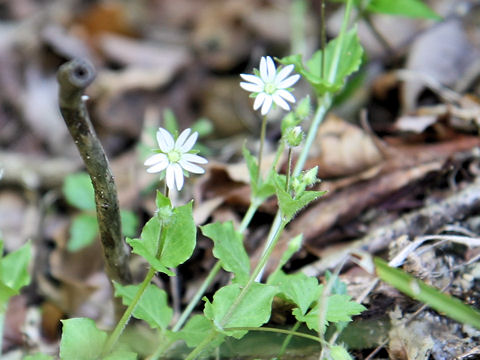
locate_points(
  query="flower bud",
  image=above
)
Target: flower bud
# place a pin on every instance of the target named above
(164, 213)
(310, 177)
(304, 108)
(294, 136)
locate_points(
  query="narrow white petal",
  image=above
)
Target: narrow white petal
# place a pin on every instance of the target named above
(252, 78)
(157, 158)
(177, 170)
(165, 140)
(280, 102)
(282, 74)
(263, 69)
(158, 167)
(271, 69)
(170, 177)
(288, 81)
(188, 145)
(267, 104)
(259, 101)
(181, 139)
(195, 169)
(286, 95)
(251, 87)
(194, 158)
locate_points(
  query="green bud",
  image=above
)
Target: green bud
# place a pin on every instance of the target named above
(297, 186)
(304, 108)
(289, 121)
(294, 136)
(310, 176)
(164, 213)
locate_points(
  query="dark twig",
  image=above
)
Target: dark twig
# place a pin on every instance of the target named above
(73, 78)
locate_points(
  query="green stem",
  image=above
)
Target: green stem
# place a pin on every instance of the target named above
(290, 333)
(262, 142)
(285, 343)
(201, 346)
(2, 321)
(323, 36)
(112, 339)
(289, 170)
(297, 21)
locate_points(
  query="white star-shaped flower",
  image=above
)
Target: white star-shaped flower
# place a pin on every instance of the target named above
(174, 157)
(270, 86)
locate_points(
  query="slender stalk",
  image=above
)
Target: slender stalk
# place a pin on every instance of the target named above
(289, 170)
(290, 333)
(2, 322)
(297, 28)
(285, 343)
(201, 346)
(112, 339)
(260, 153)
(323, 36)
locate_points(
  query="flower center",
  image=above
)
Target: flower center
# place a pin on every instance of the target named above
(270, 88)
(174, 156)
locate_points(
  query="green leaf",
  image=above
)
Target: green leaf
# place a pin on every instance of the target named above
(203, 126)
(174, 244)
(162, 201)
(229, 249)
(350, 60)
(253, 310)
(152, 307)
(129, 223)
(180, 237)
(290, 206)
(81, 340)
(302, 290)
(196, 330)
(78, 191)
(38, 356)
(121, 355)
(339, 308)
(5, 294)
(14, 268)
(339, 353)
(83, 231)
(409, 8)
(260, 189)
(170, 121)
(417, 289)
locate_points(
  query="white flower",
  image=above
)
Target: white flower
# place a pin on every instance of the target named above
(174, 157)
(270, 86)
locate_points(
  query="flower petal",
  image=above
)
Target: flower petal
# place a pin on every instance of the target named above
(252, 78)
(177, 170)
(182, 138)
(165, 140)
(263, 69)
(267, 104)
(158, 167)
(259, 100)
(271, 69)
(280, 102)
(288, 81)
(155, 159)
(282, 74)
(170, 177)
(188, 145)
(286, 95)
(251, 87)
(194, 158)
(195, 169)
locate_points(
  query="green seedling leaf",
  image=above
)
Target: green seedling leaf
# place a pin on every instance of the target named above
(5, 294)
(300, 289)
(170, 121)
(168, 243)
(339, 353)
(196, 330)
(253, 310)
(38, 356)
(261, 189)
(408, 8)
(417, 289)
(203, 126)
(229, 249)
(78, 191)
(290, 206)
(14, 268)
(83, 231)
(129, 223)
(351, 59)
(339, 308)
(152, 307)
(147, 245)
(81, 340)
